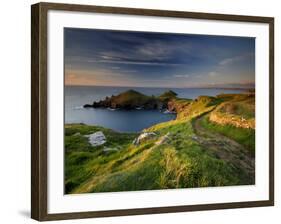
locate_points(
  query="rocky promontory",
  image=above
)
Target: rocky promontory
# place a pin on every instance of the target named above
(132, 99)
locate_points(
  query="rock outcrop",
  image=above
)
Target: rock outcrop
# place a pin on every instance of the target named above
(132, 99)
(97, 138)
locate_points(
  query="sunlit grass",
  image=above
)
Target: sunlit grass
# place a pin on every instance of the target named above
(179, 162)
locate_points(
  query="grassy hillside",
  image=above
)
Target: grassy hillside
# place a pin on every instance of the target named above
(168, 95)
(191, 151)
(245, 136)
(131, 97)
(238, 111)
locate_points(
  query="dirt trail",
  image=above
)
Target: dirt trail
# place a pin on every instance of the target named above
(226, 149)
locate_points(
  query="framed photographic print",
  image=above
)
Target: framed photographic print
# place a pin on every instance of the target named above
(138, 111)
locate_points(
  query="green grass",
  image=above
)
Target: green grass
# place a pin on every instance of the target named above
(187, 109)
(243, 136)
(83, 160)
(238, 104)
(242, 109)
(179, 162)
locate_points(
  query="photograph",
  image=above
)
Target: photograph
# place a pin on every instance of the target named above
(154, 111)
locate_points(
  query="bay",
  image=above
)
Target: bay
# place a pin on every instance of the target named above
(121, 120)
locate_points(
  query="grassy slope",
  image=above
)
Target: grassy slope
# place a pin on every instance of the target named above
(244, 136)
(179, 162)
(237, 106)
(83, 160)
(237, 110)
(131, 97)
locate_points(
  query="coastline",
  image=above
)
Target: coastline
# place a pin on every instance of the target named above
(189, 136)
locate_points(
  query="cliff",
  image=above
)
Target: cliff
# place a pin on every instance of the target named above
(132, 99)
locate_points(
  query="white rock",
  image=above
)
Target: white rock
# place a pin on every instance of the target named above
(96, 138)
(143, 136)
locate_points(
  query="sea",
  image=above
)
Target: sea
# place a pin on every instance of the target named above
(123, 120)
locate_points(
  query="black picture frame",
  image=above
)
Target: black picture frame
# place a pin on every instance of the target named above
(39, 106)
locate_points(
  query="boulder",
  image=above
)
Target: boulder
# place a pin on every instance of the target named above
(97, 138)
(143, 137)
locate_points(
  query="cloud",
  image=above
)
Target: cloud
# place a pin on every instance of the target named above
(118, 60)
(181, 76)
(129, 71)
(145, 52)
(106, 57)
(115, 67)
(154, 50)
(228, 61)
(213, 74)
(161, 50)
(101, 77)
(128, 62)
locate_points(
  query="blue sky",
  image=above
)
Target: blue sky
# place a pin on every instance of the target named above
(145, 59)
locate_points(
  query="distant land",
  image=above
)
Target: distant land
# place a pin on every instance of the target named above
(132, 99)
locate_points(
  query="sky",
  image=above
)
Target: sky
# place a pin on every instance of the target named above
(148, 59)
